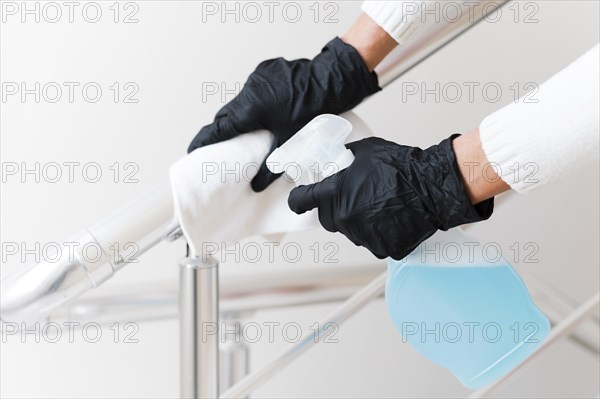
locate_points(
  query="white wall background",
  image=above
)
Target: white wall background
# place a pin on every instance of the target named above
(169, 54)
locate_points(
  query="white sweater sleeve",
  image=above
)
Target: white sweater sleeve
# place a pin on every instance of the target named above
(532, 144)
(400, 19)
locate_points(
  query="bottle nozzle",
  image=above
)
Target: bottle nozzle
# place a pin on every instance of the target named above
(317, 151)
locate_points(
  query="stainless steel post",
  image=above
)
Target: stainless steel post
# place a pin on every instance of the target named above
(199, 327)
(234, 352)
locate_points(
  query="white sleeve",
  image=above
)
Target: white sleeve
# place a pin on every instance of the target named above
(400, 19)
(532, 144)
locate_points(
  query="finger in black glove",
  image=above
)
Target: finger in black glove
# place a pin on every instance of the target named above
(282, 96)
(392, 197)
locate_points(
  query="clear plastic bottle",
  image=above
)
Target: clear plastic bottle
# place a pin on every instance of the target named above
(463, 306)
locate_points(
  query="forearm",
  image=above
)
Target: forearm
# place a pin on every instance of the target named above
(370, 40)
(479, 176)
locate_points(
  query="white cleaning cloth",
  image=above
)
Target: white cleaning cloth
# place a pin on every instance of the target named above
(213, 199)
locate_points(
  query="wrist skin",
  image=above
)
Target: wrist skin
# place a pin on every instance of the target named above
(481, 181)
(479, 177)
(370, 41)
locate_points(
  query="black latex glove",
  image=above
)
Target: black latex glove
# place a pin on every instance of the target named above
(282, 96)
(392, 197)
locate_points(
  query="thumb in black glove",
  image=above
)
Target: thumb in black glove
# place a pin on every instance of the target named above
(392, 197)
(282, 96)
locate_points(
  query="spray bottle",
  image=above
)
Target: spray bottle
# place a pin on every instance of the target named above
(454, 300)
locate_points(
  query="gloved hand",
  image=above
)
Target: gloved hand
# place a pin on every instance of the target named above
(392, 197)
(282, 96)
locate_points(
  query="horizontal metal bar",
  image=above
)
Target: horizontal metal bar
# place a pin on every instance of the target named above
(163, 306)
(241, 292)
(248, 291)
